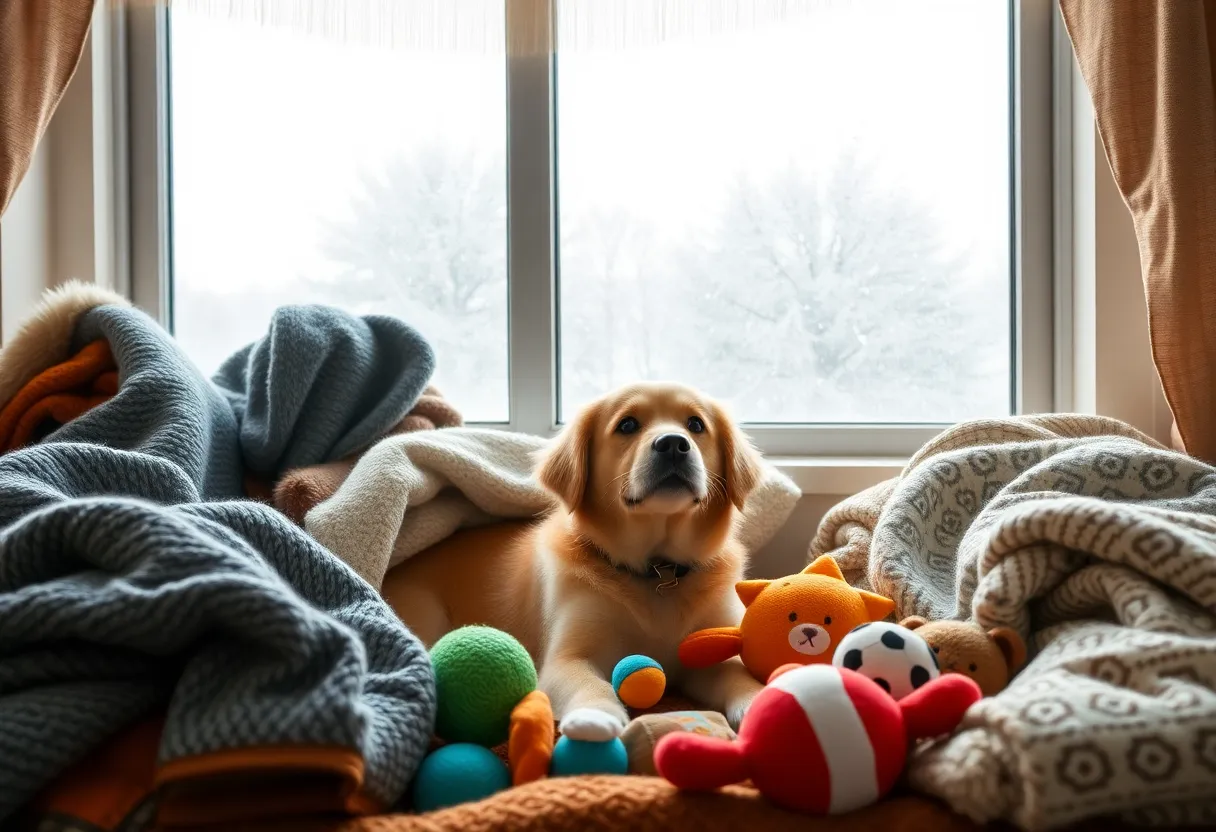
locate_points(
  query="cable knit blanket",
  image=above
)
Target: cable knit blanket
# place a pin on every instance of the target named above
(133, 580)
(411, 491)
(1099, 546)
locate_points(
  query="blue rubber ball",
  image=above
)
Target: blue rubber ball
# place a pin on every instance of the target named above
(458, 773)
(571, 757)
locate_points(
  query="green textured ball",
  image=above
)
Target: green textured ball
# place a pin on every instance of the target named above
(480, 675)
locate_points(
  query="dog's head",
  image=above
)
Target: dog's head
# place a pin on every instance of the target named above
(654, 449)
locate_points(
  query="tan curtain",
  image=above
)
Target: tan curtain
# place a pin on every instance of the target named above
(40, 45)
(1151, 68)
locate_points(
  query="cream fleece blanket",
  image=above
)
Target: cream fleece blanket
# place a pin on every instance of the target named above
(1099, 546)
(411, 491)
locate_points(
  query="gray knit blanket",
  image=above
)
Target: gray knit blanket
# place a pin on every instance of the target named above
(1099, 546)
(134, 579)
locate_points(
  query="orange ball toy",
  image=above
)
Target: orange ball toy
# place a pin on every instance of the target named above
(639, 682)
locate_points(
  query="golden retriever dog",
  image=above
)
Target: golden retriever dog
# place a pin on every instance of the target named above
(638, 553)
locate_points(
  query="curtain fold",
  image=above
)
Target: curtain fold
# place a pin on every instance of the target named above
(40, 46)
(1150, 66)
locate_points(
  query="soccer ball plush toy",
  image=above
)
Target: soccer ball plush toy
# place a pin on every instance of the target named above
(819, 739)
(895, 658)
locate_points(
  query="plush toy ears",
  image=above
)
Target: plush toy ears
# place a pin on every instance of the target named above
(878, 607)
(709, 647)
(825, 565)
(748, 591)
(1011, 645)
(913, 621)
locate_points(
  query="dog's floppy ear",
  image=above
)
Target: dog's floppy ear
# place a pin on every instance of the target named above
(741, 464)
(562, 466)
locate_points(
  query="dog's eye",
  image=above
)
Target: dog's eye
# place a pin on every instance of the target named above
(827, 620)
(628, 425)
(695, 424)
(793, 616)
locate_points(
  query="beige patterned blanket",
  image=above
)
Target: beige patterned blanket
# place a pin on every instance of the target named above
(1099, 546)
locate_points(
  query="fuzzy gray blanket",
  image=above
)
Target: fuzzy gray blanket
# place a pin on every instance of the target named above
(133, 579)
(1099, 546)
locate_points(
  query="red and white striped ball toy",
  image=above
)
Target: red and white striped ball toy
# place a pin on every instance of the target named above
(819, 738)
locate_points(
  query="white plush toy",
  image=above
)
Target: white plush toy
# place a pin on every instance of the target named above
(896, 658)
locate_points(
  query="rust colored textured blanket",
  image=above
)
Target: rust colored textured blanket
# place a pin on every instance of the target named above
(111, 791)
(57, 395)
(649, 804)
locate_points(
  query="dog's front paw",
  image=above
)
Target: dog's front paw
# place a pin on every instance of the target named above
(738, 708)
(590, 725)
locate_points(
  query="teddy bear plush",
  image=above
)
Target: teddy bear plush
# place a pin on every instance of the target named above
(990, 658)
(798, 619)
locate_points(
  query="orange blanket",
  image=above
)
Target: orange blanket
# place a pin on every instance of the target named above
(649, 804)
(115, 787)
(57, 395)
(112, 790)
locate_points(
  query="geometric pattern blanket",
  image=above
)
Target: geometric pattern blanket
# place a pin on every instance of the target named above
(1099, 546)
(134, 580)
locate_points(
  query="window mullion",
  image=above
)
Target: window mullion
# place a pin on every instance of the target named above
(530, 201)
(148, 148)
(1034, 190)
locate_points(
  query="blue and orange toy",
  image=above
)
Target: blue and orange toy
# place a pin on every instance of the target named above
(639, 682)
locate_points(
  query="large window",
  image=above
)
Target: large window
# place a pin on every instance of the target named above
(816, 211)
(307, 169)
(809, 217)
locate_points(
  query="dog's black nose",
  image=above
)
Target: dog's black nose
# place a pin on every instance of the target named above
(672, 444)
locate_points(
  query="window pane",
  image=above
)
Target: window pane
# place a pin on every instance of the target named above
(313, 169)
(807, 216)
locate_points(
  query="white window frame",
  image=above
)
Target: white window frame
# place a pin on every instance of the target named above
(822, 458)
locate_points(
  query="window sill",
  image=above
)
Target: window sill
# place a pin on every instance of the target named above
(838, 476)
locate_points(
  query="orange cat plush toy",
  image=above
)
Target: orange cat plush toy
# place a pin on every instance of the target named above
(798, 619)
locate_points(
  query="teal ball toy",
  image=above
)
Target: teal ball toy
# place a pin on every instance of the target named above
(639, 681)
(571, 757)
(480, 675)
(458, 773)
